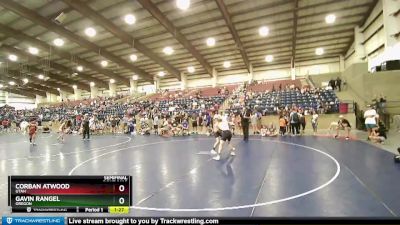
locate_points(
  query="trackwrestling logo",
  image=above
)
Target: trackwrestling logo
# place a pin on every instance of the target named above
(32, 220)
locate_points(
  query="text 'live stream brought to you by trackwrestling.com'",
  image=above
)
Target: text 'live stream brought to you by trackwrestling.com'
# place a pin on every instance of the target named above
(139, 221)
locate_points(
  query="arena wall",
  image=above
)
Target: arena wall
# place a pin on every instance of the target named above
(17, 101)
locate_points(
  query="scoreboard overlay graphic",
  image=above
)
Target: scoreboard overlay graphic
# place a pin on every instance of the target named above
(89, 194)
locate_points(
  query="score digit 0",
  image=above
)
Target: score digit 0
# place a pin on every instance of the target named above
(121, 188)
(121, 200)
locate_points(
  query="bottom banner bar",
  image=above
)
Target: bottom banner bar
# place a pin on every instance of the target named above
(138, 221)
(213, 221)
(18, 220)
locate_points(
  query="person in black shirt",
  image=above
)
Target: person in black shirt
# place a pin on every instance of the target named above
(245, 120)
(338, 83)
(332, 83)
(343, 124)
(85, 127)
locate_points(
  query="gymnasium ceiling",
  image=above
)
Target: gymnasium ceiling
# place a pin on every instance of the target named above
(296, 29)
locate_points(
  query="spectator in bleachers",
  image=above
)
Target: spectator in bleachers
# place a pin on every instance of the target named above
(382, 105)
(338, 83)
(332, 84)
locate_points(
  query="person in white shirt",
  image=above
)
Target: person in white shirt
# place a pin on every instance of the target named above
(155, 124)
(314, 122)
(226, 136)
(217, 132)
(370, 117)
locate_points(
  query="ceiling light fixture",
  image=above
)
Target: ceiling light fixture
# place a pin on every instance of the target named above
(25, 80)
(319, 51)
(183, 4)
(12, 83)
(331, 18)
(90, 32)
(269, 58)
(161, 74)
(92, 84)
(74, 86)
(79, 68)
(33, 50)
(58, 42)
(130, 19)
(210, 41)
(104, 63)
(191, 69)
(13, 58)
(135, 77)
(58, 89)
(133, 57)
(227, 64)
(168, 50)
(263, 31)
(40, 76)
(1, 85)
(112, 81)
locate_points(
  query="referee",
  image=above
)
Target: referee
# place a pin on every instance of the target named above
(245, 120)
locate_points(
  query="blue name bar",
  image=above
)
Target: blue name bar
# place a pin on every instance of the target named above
(18, 220)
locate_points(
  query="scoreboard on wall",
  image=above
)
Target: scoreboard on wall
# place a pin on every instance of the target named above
(86, 194)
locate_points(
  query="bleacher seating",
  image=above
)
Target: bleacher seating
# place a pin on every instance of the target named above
(270, 85)
(259, 97)
(272, 96)
(270, 102)
(192, 105)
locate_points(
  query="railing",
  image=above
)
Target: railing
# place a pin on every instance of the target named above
(308, 77)
(388, 110)
(133, 96)
(393, 106)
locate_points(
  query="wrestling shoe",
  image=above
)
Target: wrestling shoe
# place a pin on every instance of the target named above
(217, 157)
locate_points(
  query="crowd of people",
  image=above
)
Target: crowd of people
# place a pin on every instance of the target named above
(273, 102)
(174, 114)
(170, 116)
